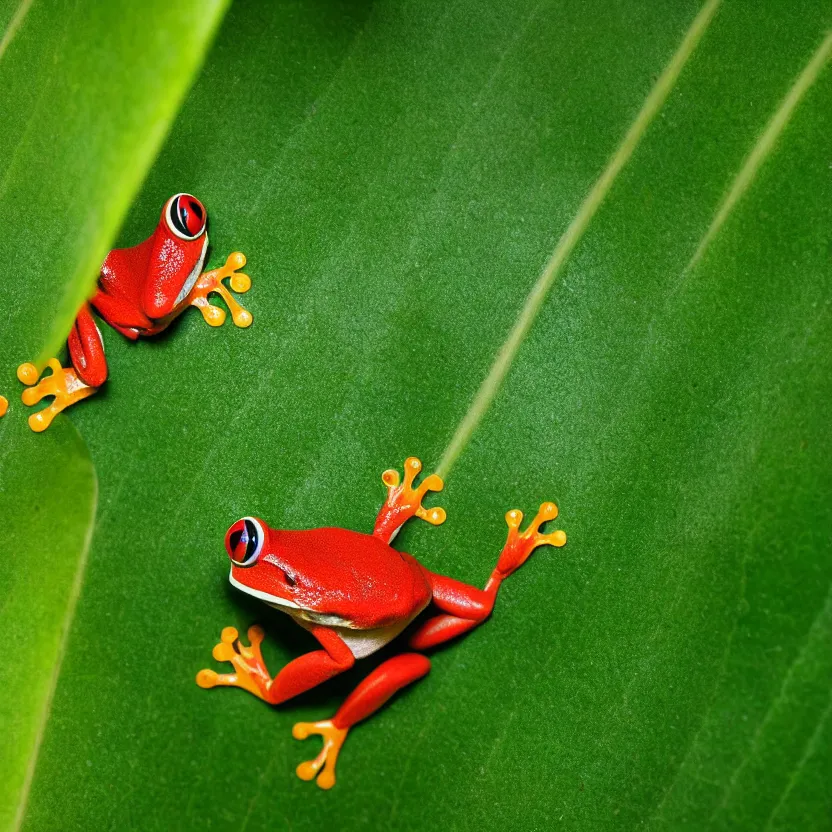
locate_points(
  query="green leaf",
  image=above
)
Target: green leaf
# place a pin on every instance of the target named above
(399, 176)
(88, 92)
(47, 502)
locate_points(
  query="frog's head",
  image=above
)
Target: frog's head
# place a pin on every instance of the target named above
(177, 253)
(258, 567)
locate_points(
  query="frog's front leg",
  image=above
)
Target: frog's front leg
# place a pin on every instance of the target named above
(212, 282)
(387, 679)
(465, 607)
(67, 384)
(298, 676)
(404, 501)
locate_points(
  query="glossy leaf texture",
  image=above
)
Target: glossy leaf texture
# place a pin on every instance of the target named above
(87, 92)
(398, 175)
(47, 506)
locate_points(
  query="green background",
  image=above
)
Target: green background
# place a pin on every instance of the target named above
(397, 174)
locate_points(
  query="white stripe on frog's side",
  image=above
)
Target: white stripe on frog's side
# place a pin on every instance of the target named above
(195, 272)
(288, 606)
(263, 596)
(362, 643)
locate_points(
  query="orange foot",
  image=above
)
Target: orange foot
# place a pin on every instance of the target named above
(519, 545)
(212, 281)
(251, 674)
(404, 501)
(325, 761)
(63, 384)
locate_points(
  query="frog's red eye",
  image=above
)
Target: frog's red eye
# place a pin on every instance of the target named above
(185, 216)
(244, 541)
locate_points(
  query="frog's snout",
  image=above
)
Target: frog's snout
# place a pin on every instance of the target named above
(244, 541)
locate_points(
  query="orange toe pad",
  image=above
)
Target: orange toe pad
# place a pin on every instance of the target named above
(323, 766)
(62, 383)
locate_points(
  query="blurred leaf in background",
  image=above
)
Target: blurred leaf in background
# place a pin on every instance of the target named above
(399, 175)
(47, 506)
(88, 92)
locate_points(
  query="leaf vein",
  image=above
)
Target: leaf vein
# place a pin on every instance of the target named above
(14, 25)
(764, 145)
(811, 747)
(573, 234)
(823, 613)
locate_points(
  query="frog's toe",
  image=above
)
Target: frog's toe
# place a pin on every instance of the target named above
(207, 678)
(519, 545)
(212, 281)
(323, 766)
(404, 499)
(226, 650)
(247, 660)
(63, 384)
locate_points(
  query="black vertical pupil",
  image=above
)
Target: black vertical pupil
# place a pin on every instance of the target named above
(179, 216)
(234, 540)
(251, 546)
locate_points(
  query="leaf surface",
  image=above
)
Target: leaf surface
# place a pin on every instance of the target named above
(88, 92)
(398, 176)
(47, 503)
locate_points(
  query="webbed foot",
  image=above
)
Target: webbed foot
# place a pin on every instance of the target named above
(519, 545)
(251, 672)
(323, 766)
(212, 281)
(63, 383)
(404, 501)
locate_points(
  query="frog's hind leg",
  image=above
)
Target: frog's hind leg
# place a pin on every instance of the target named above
(463, 606)
(386, 680)
(86, 349)
(405, 501)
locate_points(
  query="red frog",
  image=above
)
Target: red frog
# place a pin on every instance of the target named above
(140, 291)
(355, 593)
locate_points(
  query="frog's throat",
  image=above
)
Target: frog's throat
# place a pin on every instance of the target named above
(192, 277)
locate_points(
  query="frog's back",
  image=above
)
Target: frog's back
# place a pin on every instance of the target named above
(352, 577)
